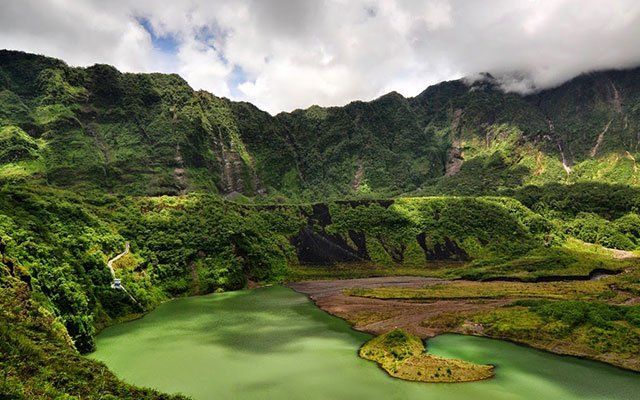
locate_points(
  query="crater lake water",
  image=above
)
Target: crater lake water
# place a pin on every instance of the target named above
(273, 343)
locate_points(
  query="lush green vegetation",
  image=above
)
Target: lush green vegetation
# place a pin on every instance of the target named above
(601, 330)
(38, 362)
(413, 230)
(152, 134)
(55, 243)
(182, 245)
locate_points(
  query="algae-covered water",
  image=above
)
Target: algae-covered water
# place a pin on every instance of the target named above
(273, 343)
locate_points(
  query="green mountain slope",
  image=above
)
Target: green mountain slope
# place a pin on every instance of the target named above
(519, 187)
(152, 134)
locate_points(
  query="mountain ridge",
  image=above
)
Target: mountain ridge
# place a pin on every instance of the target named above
(153, 134)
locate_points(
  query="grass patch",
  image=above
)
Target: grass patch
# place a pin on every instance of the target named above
(598, 330)
(583, 290)
(590, 327)
(572, 258)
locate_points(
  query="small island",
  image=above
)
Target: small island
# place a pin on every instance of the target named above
(404, 356)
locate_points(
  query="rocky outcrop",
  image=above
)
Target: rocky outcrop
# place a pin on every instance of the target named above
(455, 160)
(448, 250)
(315, 244)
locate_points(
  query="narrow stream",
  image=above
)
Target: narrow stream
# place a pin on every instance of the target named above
(273, 343)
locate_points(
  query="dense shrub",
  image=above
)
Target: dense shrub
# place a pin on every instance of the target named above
(16, 145)
(412, 228)
(577, 313)
(595, 229)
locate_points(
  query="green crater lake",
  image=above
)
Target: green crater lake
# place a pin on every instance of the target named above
(273, 343)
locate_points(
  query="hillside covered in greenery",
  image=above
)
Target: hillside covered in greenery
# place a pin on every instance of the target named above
(150, 134)
(461, 181)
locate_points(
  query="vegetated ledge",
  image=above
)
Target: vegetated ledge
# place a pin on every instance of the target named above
(596, 273)
(403, 356)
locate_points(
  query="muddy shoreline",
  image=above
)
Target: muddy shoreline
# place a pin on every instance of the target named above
(376, 316)
(379, 316)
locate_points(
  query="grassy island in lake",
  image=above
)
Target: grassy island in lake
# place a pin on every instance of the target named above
(403, 356)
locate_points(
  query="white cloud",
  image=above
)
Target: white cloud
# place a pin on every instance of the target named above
(301, 52)
(203, 67)
(80, 33)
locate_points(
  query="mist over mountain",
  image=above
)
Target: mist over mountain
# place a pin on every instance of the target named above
(282, 55)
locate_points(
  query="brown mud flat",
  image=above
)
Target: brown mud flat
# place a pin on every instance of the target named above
(378, 316)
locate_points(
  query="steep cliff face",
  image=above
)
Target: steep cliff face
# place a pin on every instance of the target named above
(133, 133)
(594, 113)
(152, 134)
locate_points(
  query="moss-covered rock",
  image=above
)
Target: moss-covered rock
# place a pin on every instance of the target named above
(16, 145)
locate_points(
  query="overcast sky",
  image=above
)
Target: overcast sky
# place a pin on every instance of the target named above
(287, 54)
